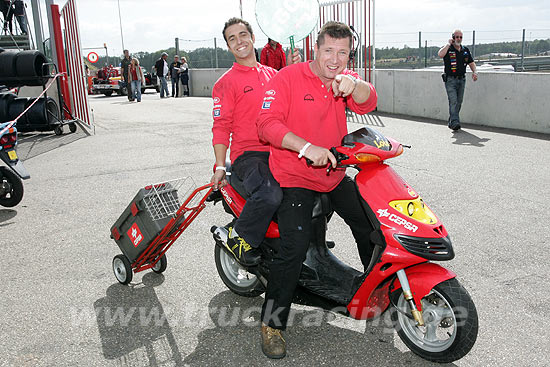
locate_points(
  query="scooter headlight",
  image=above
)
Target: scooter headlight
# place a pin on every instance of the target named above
(415, 209)
(410, 209)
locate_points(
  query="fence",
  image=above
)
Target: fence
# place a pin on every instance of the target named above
(419, 49)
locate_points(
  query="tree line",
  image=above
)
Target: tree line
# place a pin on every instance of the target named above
(205, 57)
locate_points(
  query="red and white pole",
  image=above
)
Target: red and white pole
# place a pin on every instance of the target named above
(61, 63)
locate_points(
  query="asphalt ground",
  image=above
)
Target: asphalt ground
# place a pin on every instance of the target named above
(62, 306)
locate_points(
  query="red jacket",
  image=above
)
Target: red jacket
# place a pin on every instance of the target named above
(297, 101)
(274, 58)
(237, 99)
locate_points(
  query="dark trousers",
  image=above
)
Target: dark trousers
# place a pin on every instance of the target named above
(455, 94)
(175, 86)
(129, 92)
(185, 83)
(7, 12)
(294, 218)
(264, 196)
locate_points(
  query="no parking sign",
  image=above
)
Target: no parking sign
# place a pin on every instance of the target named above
(92, 57)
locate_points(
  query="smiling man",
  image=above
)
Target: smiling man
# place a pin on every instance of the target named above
(302, 116)
(237, 97)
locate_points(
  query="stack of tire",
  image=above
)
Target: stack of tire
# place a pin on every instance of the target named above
(19, 68)
(40, 117)
(26, 68)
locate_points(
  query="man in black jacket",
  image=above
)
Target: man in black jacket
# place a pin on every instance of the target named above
(125, 68)
(456, 57)
(161, 66)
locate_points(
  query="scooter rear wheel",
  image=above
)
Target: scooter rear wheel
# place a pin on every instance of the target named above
(12, 188)
(234, 276)
(451, 323)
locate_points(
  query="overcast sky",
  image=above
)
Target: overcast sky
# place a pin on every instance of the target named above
(152, 25)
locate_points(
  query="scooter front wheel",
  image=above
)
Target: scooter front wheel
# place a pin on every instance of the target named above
(450, 323)
(11, 188)
(234, 276)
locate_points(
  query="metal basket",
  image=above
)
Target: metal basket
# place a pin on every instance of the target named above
(162, 200)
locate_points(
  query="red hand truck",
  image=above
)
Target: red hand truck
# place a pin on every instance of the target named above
(152, 223)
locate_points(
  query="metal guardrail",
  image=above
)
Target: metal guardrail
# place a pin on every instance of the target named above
(15, 42)
(538, 63)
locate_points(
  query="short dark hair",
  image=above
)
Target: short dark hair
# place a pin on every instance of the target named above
(234, 21)
(336, 30)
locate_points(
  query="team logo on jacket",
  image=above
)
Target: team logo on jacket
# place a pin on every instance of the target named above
(266, 105)
(216, 112)
(216, 100)
(270, 92)
(308, 97)
(247, 89)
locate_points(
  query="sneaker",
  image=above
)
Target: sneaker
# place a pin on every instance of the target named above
(273, 344)
(243, 252)
(455, 127)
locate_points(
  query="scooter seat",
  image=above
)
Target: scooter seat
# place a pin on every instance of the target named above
(321, 205)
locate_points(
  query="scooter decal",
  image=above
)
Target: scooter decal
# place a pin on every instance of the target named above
(135, 234)
(382, 213)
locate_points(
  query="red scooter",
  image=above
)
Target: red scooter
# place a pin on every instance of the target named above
(431, 312)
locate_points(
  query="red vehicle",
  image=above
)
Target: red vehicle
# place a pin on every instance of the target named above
(432, 313)
(109, 80)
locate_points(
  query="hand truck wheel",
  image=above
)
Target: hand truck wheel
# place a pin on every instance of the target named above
(72, 127)
(58, 130)
(122, 269)
(161, 265)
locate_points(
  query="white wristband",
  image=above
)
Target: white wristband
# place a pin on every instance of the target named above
(220, 167)
(303, 150)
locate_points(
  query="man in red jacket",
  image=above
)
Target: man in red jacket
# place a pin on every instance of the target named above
(237, 97)
(273, 55)
(304, 114)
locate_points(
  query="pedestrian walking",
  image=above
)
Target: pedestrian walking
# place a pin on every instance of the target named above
(184, 75)
(175, 76)
(456, 57)
(136, 78)
(161, 66)
(124, 67)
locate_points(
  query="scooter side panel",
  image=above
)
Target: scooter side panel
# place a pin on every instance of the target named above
(379, 185)
(236, 203)
(371, 299)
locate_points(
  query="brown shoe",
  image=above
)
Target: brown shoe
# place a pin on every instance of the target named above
(273, 344)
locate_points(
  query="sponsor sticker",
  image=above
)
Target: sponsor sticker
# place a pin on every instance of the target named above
(226, 196)
(383, 213)
(217, 112)
(266, 105)
(216, 100)
(135, 234)
(270, 92)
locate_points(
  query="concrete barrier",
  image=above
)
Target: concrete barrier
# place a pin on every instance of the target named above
(201, 81)
(499, 99)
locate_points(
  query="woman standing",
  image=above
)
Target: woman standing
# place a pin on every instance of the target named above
(185, 76)
(136, 78)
